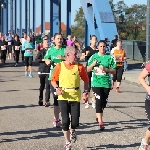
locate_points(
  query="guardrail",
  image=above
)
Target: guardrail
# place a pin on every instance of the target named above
(135, 50)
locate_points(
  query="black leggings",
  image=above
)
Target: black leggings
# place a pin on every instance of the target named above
(22, 55)
(44, 81)
(119, 72)
(72, 108)
(89, 76)
(28, 60)
(101, 97)
(3, 55)
(17, 52)
(55, 97)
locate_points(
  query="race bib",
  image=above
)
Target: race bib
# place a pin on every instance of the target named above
(98, 71)
(9, 43)
(17, 47)
(3, 48)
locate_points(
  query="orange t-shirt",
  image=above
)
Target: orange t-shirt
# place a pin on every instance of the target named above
(119, 54)
(81, 69)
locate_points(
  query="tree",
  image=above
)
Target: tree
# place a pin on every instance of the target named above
(78, 28)
(130, 21)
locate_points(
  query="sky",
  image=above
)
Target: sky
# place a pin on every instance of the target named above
(75, 6)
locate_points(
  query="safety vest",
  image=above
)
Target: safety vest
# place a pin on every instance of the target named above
(119, 55)
(69, 81)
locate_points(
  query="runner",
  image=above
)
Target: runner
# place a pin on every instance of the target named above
(3, 49)
(9, 40)
(16, 47)
(43, 68)
(119, 56)
(146, 73)
(86, 54)
(68, 74)
(28, 46)
(69, 41)
(101, 65)
(22, 40)
(54, 55)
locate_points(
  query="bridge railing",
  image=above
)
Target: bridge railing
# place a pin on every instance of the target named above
(135, 50)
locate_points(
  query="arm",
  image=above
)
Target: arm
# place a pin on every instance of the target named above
(39, 58)
(125, 56)
(142, 77)
(55, 77)
(84, 76)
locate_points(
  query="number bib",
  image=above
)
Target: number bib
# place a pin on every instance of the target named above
(98, 71)
(17, 47)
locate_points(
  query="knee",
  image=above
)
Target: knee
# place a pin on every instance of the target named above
(65, 124)
(55, 101)
(74, 124)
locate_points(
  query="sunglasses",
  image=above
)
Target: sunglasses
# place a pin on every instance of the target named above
(102, 46)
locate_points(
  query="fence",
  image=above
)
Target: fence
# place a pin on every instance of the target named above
(135, 50)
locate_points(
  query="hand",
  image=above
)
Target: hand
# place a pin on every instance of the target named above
(47, 61)
(94, 63)
(60, 57)
(59, 91)
(103, 68)
(85, 97)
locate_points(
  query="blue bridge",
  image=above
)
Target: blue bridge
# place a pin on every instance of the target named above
(99, 19)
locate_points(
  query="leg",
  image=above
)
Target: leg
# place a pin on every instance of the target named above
(99, 97)
(30, 66)
(75, 114)
(64, 107)
(114, 78)
(119, 77)
(106, 94)
(22, 54)
(56, 108)
(26, 65)
(47, 93)
(42, 86)
(146, 139)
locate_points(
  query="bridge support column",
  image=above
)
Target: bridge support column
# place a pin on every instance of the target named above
(15, 18)
(26, 16)
(68, 18)
(42, 16)
(34, 16)
(54, 15)
(20, 24)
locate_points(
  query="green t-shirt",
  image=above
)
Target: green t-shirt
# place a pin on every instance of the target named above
(99, 78)
(53, 54)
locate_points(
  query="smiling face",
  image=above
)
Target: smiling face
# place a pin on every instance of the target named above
(102, 48)
(58, 40)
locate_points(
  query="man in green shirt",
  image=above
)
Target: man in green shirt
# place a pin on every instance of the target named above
(55, 55)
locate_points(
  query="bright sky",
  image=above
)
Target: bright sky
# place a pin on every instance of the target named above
(75, 6)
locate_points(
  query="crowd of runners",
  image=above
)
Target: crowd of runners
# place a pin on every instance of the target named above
(60, 73)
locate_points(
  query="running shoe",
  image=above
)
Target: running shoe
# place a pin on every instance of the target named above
(87, 105)
(93, 104)
(30, 75)
(57, 123)
(47, 104)
(144, 145)
(118, 90)
(68, 146)
(40, 102)
(73, 136)
(26, 74)
(101, 124)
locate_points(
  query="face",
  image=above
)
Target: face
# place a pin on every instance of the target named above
(93, 41)
(58, 40)
(28, 38)
(16, 38)
(72, 56)
(45, 44)
(119, 44)
(102, 48)
(24, 35)
(69, 36)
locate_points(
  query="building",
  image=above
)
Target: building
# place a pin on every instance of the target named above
(47, 28)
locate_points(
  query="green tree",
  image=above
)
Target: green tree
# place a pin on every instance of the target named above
(130, 21)
(78, 28)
